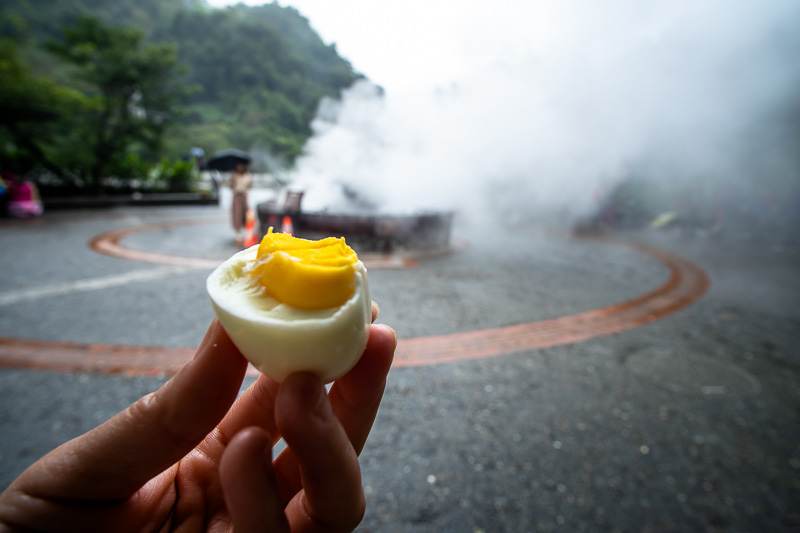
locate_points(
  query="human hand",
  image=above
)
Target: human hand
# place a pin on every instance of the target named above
(193, 457)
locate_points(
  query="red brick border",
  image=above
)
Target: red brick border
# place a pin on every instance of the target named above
(686, 283)
(108, 243)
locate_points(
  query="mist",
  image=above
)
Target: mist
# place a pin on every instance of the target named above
(557, 107)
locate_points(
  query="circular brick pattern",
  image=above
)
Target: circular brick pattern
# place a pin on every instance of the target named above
(109, 243)
(686, 283)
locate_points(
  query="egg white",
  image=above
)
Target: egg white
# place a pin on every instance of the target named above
(279, 339)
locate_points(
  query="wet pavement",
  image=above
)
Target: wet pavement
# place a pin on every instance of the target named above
(687, 420)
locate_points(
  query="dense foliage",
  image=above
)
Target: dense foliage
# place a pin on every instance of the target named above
(262, 71)
(111, 94)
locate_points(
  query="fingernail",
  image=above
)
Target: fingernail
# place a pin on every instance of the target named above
(267, 457)
(392, 331)
(210, 332)
(322, 407)
(324, 410)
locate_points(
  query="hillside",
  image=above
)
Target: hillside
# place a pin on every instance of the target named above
(257, 73)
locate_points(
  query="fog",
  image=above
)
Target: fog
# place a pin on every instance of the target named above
(561, 106)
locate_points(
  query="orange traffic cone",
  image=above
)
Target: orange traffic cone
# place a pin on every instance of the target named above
(287, 227)
(250, 234)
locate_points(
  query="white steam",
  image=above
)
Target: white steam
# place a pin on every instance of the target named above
(561, 103)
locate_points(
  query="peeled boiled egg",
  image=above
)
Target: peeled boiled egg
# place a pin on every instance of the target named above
(292, 304)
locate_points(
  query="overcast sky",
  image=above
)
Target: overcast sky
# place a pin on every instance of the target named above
(424, 43)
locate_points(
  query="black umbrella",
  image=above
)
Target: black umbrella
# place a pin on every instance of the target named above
(226, 160)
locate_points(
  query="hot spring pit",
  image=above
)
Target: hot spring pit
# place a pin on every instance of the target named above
(365, 233)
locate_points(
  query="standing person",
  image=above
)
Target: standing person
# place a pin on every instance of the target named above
(24, 200)
(240, 182)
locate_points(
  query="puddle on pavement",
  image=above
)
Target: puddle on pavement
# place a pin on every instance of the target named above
(692, 373)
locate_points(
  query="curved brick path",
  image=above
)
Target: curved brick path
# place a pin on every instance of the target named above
(109, 243)
(686, 283)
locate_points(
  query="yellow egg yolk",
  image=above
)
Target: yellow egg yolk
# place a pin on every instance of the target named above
(306, 274)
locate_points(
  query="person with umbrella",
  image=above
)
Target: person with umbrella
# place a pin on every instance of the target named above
(240, 182)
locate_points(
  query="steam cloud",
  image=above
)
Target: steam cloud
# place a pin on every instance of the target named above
(674, 91)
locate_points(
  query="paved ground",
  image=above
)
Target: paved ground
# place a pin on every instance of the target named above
(685, 423)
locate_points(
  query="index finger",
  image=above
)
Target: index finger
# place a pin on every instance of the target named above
(356, 396)
(332, 497)
(354, 400)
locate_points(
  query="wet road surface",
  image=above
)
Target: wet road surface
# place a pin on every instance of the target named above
(678, 420)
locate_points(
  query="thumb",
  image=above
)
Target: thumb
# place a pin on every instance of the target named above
(114, 460)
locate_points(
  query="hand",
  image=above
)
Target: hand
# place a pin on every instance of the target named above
(188, 457)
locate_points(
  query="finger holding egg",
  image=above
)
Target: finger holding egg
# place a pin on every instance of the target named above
(292, 305)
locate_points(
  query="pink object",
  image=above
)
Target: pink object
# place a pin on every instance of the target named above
(25, 209)
(24, 201)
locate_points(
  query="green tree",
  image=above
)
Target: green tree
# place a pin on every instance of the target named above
(132, 92)
(32, 116)
(261, 71)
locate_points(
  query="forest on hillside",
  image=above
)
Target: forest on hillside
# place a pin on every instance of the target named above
(92, 89)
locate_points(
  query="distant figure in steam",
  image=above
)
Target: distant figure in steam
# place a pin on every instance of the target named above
(240, 182)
